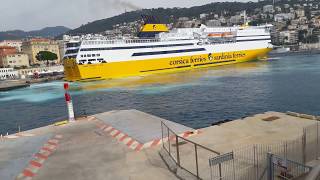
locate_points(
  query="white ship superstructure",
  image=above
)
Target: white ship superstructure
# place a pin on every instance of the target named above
(182, 48)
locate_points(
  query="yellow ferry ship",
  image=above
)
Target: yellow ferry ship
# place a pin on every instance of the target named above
(159, 50)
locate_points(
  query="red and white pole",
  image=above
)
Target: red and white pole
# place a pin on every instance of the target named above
(69, 103)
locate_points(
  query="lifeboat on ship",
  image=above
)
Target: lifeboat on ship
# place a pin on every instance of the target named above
(220, 35)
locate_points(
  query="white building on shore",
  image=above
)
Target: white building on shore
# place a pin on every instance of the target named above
(8, 73)
(24, 73)
(12, 43)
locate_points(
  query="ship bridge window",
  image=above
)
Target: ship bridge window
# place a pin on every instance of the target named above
(101, 60)
(83, 61)
(90, 61)
(71, 57)
(93, 55)
(88, 55)
(74, 51)
(69, 45)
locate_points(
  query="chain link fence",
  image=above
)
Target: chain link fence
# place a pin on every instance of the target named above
(244, 163)
(250, 162)
(312, 142)
(285, 169)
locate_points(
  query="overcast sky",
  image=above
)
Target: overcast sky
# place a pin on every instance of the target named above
(36, 14)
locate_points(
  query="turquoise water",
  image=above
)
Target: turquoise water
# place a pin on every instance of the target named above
(194, 98)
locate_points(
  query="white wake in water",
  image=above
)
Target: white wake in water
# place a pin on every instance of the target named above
(153, 84)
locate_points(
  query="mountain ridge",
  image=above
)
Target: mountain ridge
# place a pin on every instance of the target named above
(47, 32)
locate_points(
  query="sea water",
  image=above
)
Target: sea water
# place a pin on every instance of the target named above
(195, 98)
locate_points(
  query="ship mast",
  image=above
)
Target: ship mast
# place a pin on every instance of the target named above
(244, 17)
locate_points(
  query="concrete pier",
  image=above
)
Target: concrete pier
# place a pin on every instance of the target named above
(256, 129)
(93, 147)
(139, 125)
(14, 84)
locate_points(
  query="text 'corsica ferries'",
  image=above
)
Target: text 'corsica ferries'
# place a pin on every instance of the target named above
(159, 50)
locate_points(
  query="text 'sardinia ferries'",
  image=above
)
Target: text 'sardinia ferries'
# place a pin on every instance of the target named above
(158, 50)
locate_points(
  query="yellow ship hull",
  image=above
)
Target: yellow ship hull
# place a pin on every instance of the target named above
(102, 71)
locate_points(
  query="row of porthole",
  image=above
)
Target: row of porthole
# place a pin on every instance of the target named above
(26, 72)
(3, 71)
(117, 42)
(81, 62)
(90, 55)
(8, 75)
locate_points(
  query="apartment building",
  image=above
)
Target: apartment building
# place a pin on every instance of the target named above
(34, 46)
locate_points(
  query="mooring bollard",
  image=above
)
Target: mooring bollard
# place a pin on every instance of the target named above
(69, 103)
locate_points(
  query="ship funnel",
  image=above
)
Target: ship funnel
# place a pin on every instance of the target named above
(151, 27)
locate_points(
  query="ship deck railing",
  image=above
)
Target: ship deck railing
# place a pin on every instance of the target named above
(125, 41)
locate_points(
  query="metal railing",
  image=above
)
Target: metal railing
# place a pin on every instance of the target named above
(312, 142)
(188, 155)
(283, 168)
(250, 162)
(120, 41)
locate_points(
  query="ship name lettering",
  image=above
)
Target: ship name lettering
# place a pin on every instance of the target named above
(198, 59)
(180, 61)
(223, 56)
(239, 54)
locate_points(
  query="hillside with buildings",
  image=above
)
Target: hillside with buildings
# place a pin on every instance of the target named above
(295, 21)
(166, 15)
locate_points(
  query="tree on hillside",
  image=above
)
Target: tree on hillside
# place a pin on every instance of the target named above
(46, 56)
